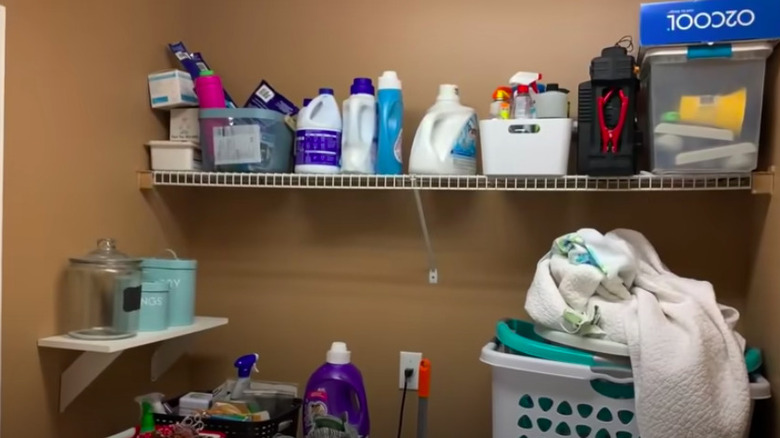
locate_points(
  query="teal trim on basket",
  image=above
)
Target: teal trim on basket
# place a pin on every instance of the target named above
(617, 391)
(519, 335)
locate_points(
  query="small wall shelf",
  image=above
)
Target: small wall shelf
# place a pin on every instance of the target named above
(96, 356)
(758, 182)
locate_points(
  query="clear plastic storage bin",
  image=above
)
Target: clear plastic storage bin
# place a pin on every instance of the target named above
(245, 140)
(704, 107)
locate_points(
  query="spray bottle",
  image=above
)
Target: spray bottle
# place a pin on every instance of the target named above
(522, 83)
(245, 365)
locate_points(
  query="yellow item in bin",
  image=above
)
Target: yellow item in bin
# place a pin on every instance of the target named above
(237, 411)
(724, 111)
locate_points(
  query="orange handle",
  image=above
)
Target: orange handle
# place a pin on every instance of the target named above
(424, 388)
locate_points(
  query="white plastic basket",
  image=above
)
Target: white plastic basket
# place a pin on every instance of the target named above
(525, 146)
(538, 398)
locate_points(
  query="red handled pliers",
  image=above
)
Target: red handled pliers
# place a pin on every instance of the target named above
(612, 135)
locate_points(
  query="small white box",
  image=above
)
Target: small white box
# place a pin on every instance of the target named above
(185, 125)
(531, 147)
(171, 89)
(175, 155)
(195, 402)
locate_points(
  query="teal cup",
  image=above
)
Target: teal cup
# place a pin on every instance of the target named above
(154, 307)
(179, 274)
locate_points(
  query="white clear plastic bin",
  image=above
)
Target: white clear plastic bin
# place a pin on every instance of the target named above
(704, 107)
(174, 155)
(539, 398)
(528, 147)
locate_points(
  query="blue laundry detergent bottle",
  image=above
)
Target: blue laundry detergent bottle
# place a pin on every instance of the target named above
(390, 107)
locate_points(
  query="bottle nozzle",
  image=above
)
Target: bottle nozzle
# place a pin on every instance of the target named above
(246, 364)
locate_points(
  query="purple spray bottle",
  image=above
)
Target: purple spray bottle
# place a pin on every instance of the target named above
(335, 403)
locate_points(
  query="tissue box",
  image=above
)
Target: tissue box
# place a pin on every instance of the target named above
(184, 125)
(171, 89)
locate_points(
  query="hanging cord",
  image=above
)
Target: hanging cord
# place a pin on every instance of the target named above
(626, 42)
(407, 375)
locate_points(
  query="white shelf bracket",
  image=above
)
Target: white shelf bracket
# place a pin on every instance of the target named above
(433, 273)
(167, 353)
(83, 371)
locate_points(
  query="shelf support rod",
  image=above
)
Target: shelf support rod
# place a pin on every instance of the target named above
(167, 353)
(83, 371)
(433, 273)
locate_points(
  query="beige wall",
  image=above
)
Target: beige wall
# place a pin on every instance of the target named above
(764, 292)
(295, 270)
(77, 116)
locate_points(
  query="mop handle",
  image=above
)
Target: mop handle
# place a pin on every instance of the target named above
(424, 390)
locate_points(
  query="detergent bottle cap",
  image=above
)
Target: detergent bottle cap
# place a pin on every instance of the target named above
(448, 92)
(389, 80)
(207, 73)
(246, 364)
(502, 93)
(362, 86)
(555, 87)
(326, 91)
(338, 354)
(306, 101)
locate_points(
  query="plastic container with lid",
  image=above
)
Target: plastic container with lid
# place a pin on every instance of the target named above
(335, 398)
(446, 140)
(390, 120)
(705, 102)
(103, 294)
(179, 275)
(553, 103)
(318, 136)
(358, 139)
(208, 87)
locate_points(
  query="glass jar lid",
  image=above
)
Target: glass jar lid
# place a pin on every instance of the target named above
(107, 254)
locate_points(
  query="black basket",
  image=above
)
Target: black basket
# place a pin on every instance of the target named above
(284, 423)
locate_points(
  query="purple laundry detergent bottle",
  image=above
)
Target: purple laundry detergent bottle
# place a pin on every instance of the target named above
(334, 405)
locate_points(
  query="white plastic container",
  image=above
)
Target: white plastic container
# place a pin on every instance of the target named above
(358, 138)
(446, 140)
(539, 398)
(704, 112)
(525, 146)
(318, 137)
(174, 155)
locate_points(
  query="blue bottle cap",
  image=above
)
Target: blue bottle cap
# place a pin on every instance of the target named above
(362, 86)
(306, 102)
(326, 91)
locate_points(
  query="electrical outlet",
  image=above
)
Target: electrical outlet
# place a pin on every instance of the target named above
(409, 360)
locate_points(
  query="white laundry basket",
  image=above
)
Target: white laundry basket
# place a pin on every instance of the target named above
(540, 398)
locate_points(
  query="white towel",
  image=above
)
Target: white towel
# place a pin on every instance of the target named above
(687, 360)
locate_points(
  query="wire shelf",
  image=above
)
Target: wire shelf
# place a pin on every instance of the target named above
(742, 181)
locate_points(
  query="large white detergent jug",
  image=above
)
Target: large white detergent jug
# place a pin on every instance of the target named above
(358, 139)
(446, 140)
(318, 136)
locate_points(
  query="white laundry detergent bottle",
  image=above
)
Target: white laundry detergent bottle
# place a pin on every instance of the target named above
(446, 140)
(358, 139)
(318, 136)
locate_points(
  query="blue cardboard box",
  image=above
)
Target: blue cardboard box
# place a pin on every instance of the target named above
(708, 21)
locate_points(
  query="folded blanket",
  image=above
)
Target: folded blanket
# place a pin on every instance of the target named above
(687, 360)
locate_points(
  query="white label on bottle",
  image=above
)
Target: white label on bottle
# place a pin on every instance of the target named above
(237, 144)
